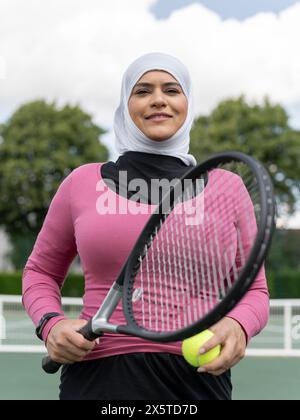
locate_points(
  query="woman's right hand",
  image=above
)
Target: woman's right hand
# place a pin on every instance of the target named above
(65, 344)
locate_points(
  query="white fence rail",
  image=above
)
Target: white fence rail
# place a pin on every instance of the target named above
(17, 333)
(281, 337)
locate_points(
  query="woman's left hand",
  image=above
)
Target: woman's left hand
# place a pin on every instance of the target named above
(231, 336)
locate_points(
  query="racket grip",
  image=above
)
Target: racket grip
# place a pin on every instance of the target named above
(50, 366)
(88, 333)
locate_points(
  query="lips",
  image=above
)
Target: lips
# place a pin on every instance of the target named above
(158, 116)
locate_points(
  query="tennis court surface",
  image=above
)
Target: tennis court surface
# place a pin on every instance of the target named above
(275, 376)
(255, 378)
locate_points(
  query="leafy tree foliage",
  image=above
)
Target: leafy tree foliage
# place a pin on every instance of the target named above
(39, 146)
(261, 130)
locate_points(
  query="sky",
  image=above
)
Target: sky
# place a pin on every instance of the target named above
(76, 52)
(238, 9)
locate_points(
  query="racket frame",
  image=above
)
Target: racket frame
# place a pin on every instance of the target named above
(250, 270)
(122, 287)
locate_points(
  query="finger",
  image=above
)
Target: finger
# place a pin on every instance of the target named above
(80, 342)
(64, 356)
(217, 364)
(77, 351)
(65, 347)
(210, 344)
(86, 344)
(215, 371)
(222, 363)
(213, 368)
(68, 351)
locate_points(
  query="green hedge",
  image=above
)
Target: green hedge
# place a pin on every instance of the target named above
(11, 284)
(282, 284)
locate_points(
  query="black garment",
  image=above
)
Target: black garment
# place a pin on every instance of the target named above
(141, 376)
(144, 166)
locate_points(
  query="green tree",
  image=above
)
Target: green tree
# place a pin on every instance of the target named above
(262, 131)
(285, 253)
(39, 146)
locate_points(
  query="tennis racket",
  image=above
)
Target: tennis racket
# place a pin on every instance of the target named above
(196, 257)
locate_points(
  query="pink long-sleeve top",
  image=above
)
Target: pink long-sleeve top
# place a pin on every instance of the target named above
(74, 226)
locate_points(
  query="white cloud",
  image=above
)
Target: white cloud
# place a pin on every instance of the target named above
(75, 51)
(289, 222)
(2, 68)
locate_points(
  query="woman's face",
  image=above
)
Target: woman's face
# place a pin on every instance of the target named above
(157, 105)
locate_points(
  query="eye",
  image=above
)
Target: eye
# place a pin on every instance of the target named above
(173, 91)
(141, 92)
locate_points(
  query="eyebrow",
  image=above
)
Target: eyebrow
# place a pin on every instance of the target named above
(144, 84)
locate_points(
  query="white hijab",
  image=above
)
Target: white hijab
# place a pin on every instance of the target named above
(128, 136)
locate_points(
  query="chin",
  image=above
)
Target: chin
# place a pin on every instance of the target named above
(160, 136)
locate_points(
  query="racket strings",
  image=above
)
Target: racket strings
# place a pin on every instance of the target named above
(186, 269)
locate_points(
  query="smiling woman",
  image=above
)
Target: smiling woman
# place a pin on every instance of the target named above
(147, 89)
(158, 105)
(152, 133)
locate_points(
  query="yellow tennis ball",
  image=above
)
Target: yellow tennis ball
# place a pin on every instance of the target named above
(192, 345)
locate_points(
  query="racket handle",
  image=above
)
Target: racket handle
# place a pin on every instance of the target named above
(88, 332)
(50, 366)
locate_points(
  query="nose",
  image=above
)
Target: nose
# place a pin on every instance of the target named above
(158, 99)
